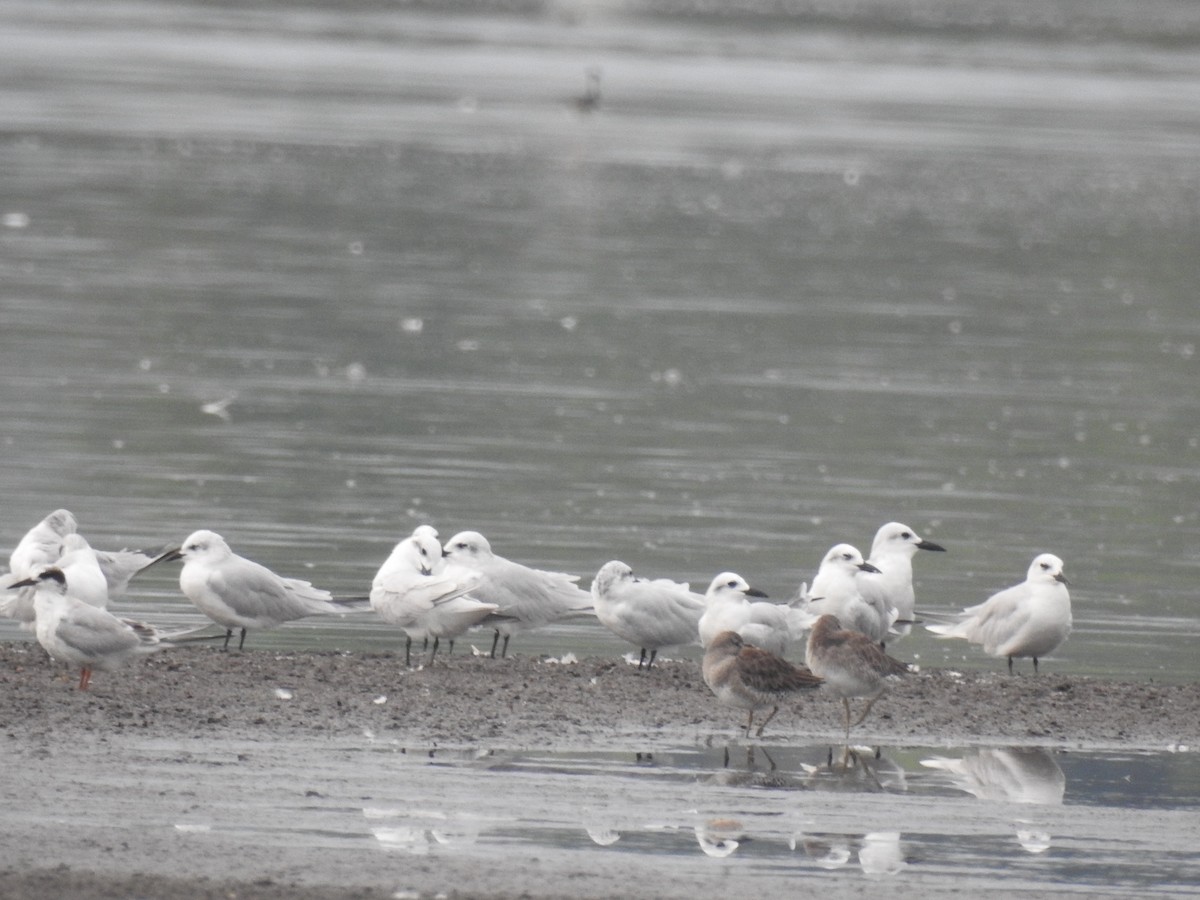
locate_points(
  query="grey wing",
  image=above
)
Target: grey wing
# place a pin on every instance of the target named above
(534, 596)
(994, 622)
(119, 566)
(94, 633)
(253, 592)
(670, 614)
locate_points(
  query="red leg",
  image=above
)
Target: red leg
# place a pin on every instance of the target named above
(85, 678)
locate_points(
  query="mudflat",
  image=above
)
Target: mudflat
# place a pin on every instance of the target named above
(286, 707)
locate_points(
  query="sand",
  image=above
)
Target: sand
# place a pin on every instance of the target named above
(202, 694)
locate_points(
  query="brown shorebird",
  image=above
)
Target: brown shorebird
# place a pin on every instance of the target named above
(852, 664)
(751, 678)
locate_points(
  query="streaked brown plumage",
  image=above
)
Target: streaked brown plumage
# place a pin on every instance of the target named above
(852, 664)
(750, 678)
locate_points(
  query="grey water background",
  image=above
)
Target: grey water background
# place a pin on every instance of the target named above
(807, 268)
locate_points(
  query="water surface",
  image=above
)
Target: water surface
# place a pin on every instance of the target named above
(802, 272)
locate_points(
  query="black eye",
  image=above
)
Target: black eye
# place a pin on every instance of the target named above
(906, 535)
(732, 584)
(1046, 566)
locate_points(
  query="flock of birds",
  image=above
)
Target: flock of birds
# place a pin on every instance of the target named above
(59, 586)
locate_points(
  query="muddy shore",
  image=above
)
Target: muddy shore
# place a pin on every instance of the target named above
(465, 701)
(202, 694)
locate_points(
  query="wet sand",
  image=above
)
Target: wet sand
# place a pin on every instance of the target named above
(308, 699)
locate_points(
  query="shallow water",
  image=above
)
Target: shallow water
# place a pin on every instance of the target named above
(802, 272)
(373, 812)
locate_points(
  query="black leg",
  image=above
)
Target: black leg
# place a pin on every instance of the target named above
(653, 653)
(495, 641)
(407, 652)
(242, 642)
(1035, 665)
(504, 652)
(642, 660)
(1010, 665)
(228, 637)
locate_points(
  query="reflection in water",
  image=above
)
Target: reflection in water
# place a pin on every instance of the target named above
(602, 835)
(881, 853)
(826, 851)
(1031, 839)
(720, 837)
(417, 831)
(768, 775)
(1011, 774)
(857, 769)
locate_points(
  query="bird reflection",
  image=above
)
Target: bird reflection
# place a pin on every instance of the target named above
(750, 773)
(720, 837)
(1011, 774)
(857, 769)
(879, 852)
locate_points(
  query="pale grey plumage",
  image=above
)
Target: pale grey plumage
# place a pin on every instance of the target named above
(650, 614)
(238, 593)
(526, 598)
(1030, 619)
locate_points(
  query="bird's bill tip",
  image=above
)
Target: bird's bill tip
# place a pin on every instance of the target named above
(27, 582)
(1060, 577)
(930, 545)
(169, 555)
(755, 592)
(867, 567)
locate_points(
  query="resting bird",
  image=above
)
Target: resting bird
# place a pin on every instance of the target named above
(769, 626)
(648, 614)
(835, 591)
(1028, 619)
(891, 587)
(415, 589)
(750, 678)
(526, 598)
(852, 664)
(76, 633)
(236, 592)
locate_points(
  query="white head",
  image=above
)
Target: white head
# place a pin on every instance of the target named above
(425, 531)
(730, 586)
(468, 547)
(1046, 569)
(61, 522)
(847, 558)
(896, 538)
(426, 552)
(204, 545)
(611, 574)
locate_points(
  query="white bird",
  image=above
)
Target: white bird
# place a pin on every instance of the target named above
(80, 565)
(891, 587)
(1028, 619)
(728, 607)
(78, 562)
(79, 634)
(42, 545)
(236, 592)
(417, 590)
(527, 598)
(835, 592)
(648, 614)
